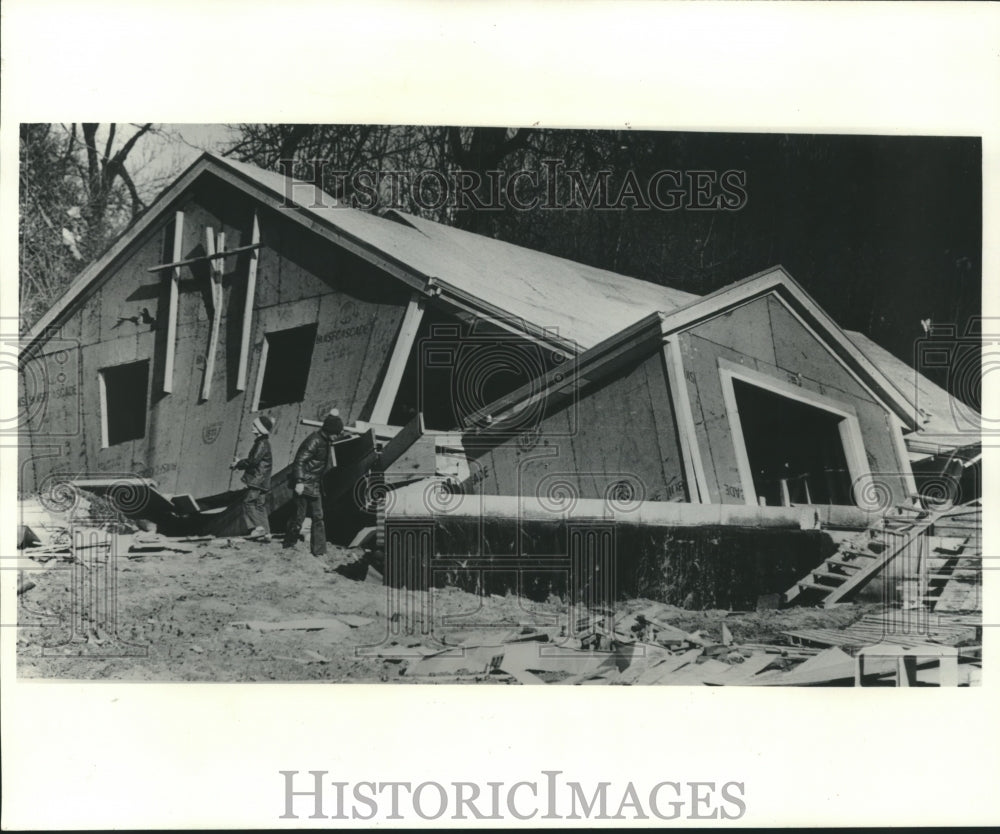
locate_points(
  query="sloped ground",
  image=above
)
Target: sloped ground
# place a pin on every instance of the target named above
(216, 610)
(181, 616)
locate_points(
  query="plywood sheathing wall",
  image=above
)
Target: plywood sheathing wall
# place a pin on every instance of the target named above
(622, 429)
(765, 337)
(189, 443)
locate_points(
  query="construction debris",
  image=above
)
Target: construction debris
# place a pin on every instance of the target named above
(147, 544)
(296, 625)
(662, 655)
(448, 636)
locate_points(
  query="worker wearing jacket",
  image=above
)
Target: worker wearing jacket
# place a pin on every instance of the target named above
(312, 461)
(256, 468)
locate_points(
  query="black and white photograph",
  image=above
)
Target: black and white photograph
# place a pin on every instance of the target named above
(421, 404)
(538, 414)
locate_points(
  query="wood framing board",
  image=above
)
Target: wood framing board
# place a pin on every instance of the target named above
(403, 440)
(402, 346)
(417, 460)
(90, 400)
(215, 288)
(703, 418)
(717, 431)
(249, 296)
(173, 277)
(678, 377)
(676, 487)
(376, 357)
(268, 265)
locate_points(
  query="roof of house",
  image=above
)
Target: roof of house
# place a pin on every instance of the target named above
(582, 305)
(941, 417)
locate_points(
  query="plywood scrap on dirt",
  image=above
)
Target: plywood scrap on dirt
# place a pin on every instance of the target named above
(330, 624)
(455, 661)
(26, 537)
(830, 667)
(740, 674)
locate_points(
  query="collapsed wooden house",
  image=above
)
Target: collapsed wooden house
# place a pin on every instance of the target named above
(506, 371)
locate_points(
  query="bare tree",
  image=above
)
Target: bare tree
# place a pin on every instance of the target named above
(76, 195)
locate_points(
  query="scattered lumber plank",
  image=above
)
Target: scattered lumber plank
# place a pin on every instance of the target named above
(26, 537)
(523, 676)
(739, 673)
(295, 625)
(693, 674)
(658, 671)
(159, 545)
(315, 657)
(354, 620)
(363, 536)
(828, 667)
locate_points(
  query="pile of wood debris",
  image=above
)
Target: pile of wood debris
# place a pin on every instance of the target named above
(643, 648)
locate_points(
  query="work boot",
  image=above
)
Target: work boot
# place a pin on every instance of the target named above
(259, 534)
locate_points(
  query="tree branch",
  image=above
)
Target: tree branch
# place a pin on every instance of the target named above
(137, 205)
(126, 149)
(93, 166)
(111, 139)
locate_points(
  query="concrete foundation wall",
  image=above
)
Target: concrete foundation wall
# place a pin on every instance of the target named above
(598, 563)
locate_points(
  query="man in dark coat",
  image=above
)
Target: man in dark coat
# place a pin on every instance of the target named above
(312, 461)
(256, 468)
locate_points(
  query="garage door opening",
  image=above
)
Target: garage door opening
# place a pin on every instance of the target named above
(795, 450)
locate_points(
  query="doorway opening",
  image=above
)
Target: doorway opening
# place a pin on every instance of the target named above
(795, 450)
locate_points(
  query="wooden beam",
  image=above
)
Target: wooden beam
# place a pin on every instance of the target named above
(221, 254)
(213, 338)
(175, 277)
(698, 485)
(397, 364)
(261, 365)
(104, 408)
(248, 301)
